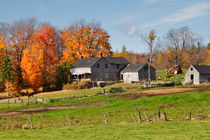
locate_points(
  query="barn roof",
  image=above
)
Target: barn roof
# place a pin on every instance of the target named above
(85, 63)
(116, 60)
(89, 62)
(202, 69)
(133, 68)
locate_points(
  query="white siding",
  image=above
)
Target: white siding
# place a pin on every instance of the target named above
(129, 77)
(196, 76)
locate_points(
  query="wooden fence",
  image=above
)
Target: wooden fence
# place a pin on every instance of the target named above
(49, 100)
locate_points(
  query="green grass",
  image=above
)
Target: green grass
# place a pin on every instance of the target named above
(175, 77)
(88, 121)
(118, 110)
(159, 130)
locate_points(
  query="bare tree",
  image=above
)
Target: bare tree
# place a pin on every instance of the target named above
(149, 39)
(180, 39)
(20, 34)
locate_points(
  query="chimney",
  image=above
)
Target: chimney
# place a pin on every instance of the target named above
(101, 55)
(81, 57)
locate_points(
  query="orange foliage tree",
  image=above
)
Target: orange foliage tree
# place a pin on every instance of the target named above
(2, 47)
(46, 38)
(85, 40)
(32, 64)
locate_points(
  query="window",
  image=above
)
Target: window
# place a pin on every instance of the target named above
(98, 65)
(118, 66)
(191, 76)
(191, 69)
(106, 65)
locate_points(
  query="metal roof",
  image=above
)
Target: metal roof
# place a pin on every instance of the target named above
(89, 62)
(116, 60)
(202, 69)
(133, 68)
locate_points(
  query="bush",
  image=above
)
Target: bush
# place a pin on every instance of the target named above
(76, 85)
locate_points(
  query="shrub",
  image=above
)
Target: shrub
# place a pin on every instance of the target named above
(76, 85)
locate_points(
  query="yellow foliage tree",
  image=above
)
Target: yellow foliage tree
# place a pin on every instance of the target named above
(32, 64)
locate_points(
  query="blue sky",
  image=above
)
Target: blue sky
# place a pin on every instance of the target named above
(124, 20)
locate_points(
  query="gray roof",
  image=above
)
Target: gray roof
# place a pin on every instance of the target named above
(89, 62)
(202, 69)
(116, 60)
(84, 63)
(133, 68)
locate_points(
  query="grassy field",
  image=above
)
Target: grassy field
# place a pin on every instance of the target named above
(87, 117)
(161, 130)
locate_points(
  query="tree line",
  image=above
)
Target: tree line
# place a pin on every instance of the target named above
(35, 54)
(179, 46)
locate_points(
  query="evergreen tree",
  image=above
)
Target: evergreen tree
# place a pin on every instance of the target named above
(6, 70)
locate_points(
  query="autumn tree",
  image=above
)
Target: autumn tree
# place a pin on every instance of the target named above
(19, 36)
(32, 64)
(46, 38)
(133, 58)
(87, 40)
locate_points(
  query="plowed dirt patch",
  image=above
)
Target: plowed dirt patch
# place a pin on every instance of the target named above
(162, 92)
(14, 114)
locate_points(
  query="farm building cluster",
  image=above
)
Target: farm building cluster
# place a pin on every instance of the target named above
(118, 68)
(109, 69)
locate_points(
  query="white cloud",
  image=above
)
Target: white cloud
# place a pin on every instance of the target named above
(191, 12)
(129, 30)
(132, 30)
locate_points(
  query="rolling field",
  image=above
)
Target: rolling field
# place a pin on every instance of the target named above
(88, 122)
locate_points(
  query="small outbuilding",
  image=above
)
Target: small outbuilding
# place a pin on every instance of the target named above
(135, 72)
(197, 74)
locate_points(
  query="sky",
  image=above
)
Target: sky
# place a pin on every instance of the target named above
(124, 20)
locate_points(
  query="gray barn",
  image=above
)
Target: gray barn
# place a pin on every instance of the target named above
(135, 72)
(98, 69)
(197, 74)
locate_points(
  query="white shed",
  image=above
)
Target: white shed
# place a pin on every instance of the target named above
(135, 72)
(197, 74)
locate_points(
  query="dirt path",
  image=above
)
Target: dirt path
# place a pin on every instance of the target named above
(21, 112)
(162, 92)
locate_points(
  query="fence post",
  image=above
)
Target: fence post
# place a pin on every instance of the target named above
(139, 115)
(165, 116)
(190, 115)
(30, 121)
(105, 119)
(68, 119)
(159, 112)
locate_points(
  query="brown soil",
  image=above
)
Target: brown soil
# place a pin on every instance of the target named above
(162, 92)
(21, 112)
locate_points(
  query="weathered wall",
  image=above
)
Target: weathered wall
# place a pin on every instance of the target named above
(102, 73)
(143, 73)
(204, 78)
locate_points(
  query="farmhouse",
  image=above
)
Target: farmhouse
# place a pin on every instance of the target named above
(98, 68)
(135, 72)
(197, 74)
